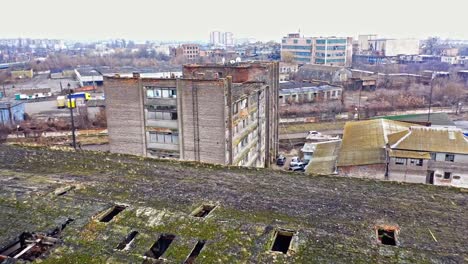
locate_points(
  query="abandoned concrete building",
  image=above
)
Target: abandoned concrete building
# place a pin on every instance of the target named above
(398, 151)
(307, 93)
(215, 113)
(93, 207)
(334, 75)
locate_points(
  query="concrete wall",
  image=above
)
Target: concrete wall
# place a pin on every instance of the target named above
(203, 119)
(408, 172)
(459, 173)
(125, 116)
(373, 171)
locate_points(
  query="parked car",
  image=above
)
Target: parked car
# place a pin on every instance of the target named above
(280, 160)
(299, 168)
(314, 133)
(295, 161)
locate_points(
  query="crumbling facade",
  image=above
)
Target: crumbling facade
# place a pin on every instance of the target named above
(215, 113)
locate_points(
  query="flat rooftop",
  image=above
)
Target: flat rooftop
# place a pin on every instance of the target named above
(332, 219)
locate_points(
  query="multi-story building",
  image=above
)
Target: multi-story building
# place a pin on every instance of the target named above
(215, 37)
(228, 39)
(218, 38)
(189, 51)
(319, 50)
(215, 113)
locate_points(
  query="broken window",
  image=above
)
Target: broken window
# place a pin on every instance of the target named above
(195, 252)
(416, 162)
(282, 241)
(400, 161)
(114, 212)
(165, 138)
(160, 246)
(447, 175)
(203, 210)
(386, 236)
(127, 242)
(450, 157)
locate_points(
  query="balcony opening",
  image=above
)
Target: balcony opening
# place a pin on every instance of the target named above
(195, 252)
(386, 236)
(203, 211)
(113, 213)
(282, 241)
(160, 246)
(128, 241)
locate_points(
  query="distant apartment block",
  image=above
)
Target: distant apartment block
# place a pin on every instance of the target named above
(218, 38)
(215, 113)
(319, 50)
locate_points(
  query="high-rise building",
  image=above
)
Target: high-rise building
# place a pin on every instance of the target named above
(218, 38)
(215, 38)
(228, 39)
(336, 51)
(215, 113)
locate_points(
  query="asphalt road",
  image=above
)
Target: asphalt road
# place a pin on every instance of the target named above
(45, 109)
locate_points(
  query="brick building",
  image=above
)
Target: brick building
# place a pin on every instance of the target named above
(189, 51)
(215, 113)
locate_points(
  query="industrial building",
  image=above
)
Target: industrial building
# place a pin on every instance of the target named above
(401, 151)
(88, 77)
(224, 114)
(335, 51)
(307, 93)
(373, 50)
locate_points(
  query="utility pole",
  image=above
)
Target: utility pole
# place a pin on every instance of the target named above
(430, 99)
(72, 121)
(359, 105)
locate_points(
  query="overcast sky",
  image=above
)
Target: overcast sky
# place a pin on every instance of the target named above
(261, 19)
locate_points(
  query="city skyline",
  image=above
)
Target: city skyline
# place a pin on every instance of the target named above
(144, 20)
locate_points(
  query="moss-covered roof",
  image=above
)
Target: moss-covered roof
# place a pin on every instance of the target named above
(436, 119)
(409, 154)
(334, 218)
(431, 139)
(324, 157)
(364, 141)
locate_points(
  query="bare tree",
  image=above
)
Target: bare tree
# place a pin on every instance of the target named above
(287, 56)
